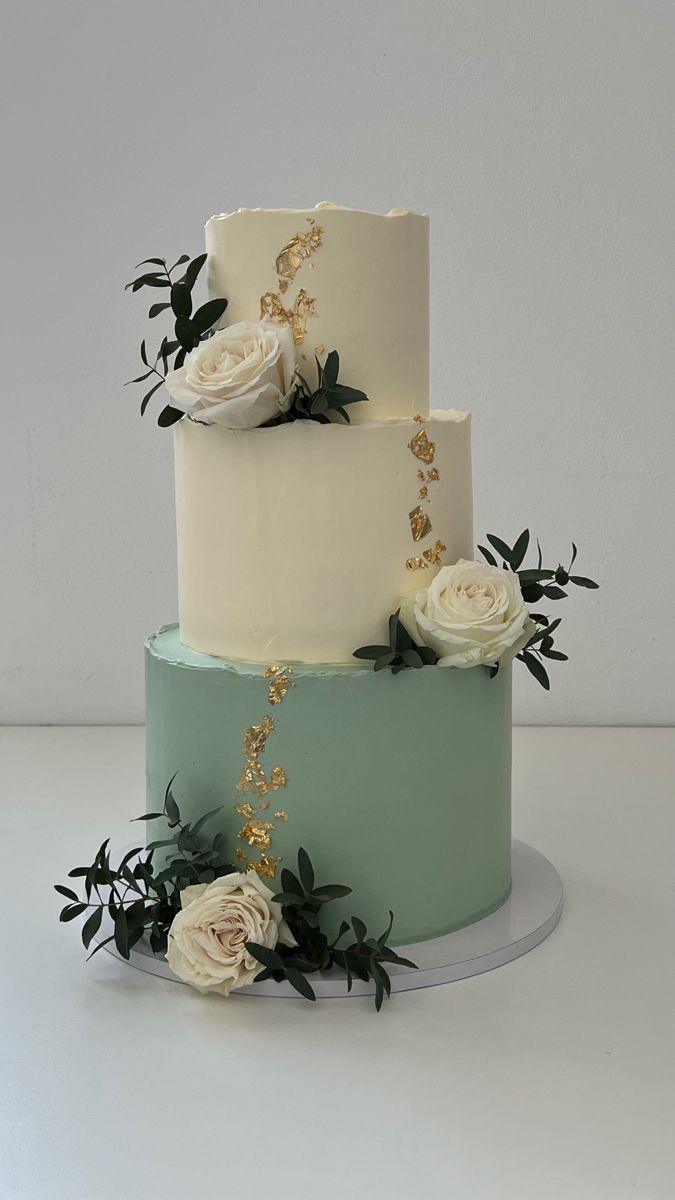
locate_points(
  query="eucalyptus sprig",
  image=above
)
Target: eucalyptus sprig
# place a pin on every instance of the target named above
(314, 404)
(537, 583)
(142, 899)
(363, 957)
(190, 328)
(401, 653)
(138, 896)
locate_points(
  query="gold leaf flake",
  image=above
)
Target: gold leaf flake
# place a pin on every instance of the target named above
(296, 251)
(297, 317)
(267, 867)
(280, 683)
(283, 286)
(257, 833)
(281, 816)
(433, 555)
(423, 493)
(320, 349)
(420, 524)
(255, 737)
(279, 778)
(241, 854)
(416, 564)
(245, 810)
(419, 419)
(421, 447)
(253, 776)
(421, 475)
(433, 475)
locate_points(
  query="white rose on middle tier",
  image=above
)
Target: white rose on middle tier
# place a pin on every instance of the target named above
(241, 377)
(471, 614)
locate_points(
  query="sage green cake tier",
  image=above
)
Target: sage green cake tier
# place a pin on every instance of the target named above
(399, 786)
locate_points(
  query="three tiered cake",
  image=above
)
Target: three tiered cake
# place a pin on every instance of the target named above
(335, 703)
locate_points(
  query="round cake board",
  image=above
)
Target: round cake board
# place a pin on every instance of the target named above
(529, 915)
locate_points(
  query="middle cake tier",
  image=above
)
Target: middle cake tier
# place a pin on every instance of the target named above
(295, 542)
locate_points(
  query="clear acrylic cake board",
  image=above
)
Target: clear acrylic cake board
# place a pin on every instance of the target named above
(528, 916)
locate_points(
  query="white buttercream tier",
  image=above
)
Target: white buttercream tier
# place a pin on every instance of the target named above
(355, 282)
(293, 541)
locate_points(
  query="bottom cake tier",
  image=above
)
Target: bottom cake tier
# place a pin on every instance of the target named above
(399, 786)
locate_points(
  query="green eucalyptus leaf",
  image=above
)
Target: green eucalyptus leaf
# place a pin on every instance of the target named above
(297, 980)
(536, 669)
(268, 958)
(208, 314)
(520, 549)
(122, 933)
(500, 546)
(91, 926)
(385, 660)
(488, 556)
(181, 300)
(199, 824)
(331, 891)
(169, 416)
(186, 333)
(67, 892)
(192, 271)
(412, 659)
(305, 869)
(331, 370)
(71, 911)
(369, 652)
(148, 395)
(156, 309)
(359, 929)
(170, 807)
(582, 581)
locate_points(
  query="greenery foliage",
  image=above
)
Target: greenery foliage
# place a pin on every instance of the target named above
(190, 327)
(354, 950)
(401, 653)
(536, 584)
(329, 397)
(142, 899)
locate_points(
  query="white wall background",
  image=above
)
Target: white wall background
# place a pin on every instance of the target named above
(537, 134)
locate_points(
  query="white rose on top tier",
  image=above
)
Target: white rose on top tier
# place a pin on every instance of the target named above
(471, 614)
(241, 377)
(207, 938)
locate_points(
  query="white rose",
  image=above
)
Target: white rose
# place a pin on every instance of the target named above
(470, 614)
(207, 938)
(240, 377)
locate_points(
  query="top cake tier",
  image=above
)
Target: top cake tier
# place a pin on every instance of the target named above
(352, 281)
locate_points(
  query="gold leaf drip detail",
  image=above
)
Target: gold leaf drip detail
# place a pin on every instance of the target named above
(416, 564)
(257, 830)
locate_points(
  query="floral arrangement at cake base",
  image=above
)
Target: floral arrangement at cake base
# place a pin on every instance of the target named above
(220, 929)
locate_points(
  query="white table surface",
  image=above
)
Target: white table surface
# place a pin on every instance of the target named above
(550, 1078)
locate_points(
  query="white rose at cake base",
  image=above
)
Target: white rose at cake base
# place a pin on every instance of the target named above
(471, 614)
(240, 378)
(207, 939)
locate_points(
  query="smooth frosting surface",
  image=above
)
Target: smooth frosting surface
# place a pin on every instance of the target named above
(355, 282)
(381, 772)
(293, 542)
